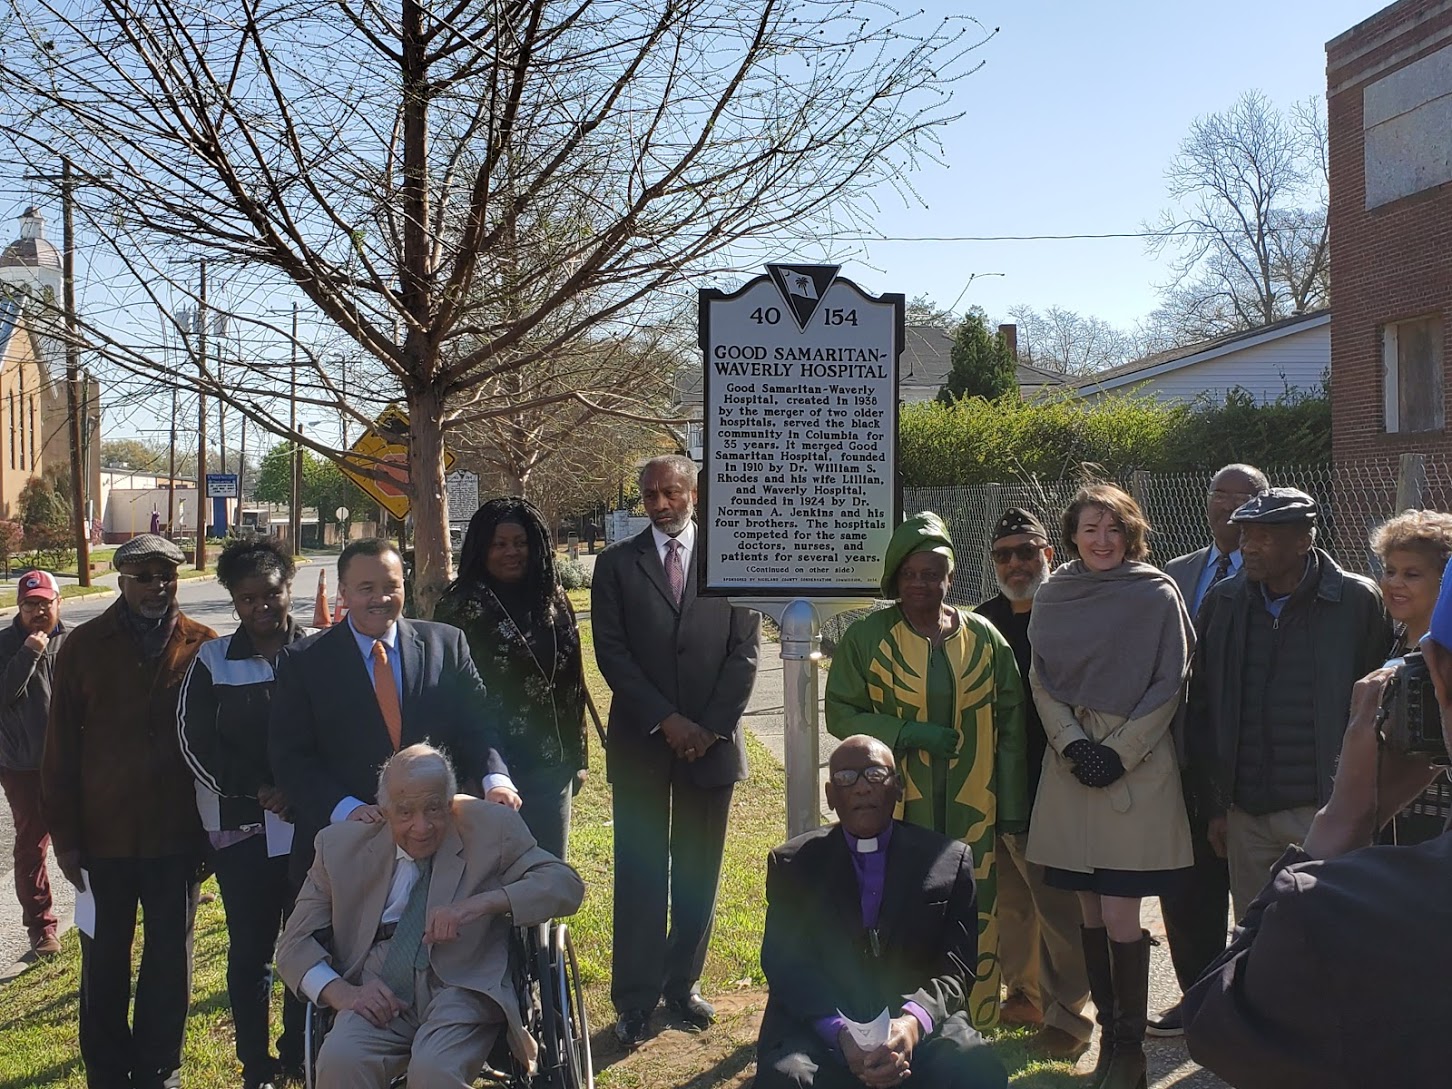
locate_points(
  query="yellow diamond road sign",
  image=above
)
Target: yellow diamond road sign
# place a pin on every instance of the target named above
(378, 463)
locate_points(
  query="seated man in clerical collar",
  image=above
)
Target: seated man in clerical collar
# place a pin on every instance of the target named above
(870, 920)
(420, 906)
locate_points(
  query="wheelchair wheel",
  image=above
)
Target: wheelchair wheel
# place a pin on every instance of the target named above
(575, 1026)
(315, 1025)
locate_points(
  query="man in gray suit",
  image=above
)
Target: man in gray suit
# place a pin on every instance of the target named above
(680, 670)
(1195, 914)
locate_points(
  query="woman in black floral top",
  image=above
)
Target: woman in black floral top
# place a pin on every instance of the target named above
(526, 646)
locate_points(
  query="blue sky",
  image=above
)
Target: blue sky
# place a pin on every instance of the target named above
(1068, 129)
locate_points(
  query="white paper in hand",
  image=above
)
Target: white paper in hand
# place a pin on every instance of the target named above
(279, 834)
(868, 1035)
(86, 907)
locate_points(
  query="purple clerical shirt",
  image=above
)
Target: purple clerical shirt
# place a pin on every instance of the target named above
(869, 862)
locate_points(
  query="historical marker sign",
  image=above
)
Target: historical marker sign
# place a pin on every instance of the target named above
(463, 488)
(799, 490)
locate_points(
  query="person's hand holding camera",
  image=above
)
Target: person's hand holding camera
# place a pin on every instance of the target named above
(1373, 783)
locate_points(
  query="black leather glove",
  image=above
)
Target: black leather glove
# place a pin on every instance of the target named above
(1097, 765)
(1077, 750)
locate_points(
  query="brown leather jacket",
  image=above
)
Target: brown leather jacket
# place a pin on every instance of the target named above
(114, 784)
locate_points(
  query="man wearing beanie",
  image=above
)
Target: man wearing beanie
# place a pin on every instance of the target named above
(123, 816)
(1038, 944)
(1280, 646)
(27, 662)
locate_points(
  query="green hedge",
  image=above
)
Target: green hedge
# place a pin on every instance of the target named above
(974, 441)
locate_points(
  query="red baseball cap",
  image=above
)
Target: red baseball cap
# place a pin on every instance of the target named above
(41, 584)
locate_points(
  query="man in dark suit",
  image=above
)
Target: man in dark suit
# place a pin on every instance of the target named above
(680, 670)
(1195, 915)
(867, 917)
(349, 697)
(1298, 1001)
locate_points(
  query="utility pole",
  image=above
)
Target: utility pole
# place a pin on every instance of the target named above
(171, 475)
(73, 369)
(73, 381)
(294, 503)
(201, 552)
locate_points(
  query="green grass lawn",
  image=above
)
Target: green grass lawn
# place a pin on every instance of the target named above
(38, 1008)
(74, 589)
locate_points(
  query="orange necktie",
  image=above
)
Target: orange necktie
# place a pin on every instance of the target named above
(387, 693)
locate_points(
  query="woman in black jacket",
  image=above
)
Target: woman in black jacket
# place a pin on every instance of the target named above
(526, 645)
(222, 727)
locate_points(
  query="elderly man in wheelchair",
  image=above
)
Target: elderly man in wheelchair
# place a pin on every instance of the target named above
(421, 908)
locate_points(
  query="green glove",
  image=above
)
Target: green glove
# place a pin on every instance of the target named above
(933, 740)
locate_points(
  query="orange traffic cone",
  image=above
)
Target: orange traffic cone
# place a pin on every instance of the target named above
(321, 619)
(339, 609)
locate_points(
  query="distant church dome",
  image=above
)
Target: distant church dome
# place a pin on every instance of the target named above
(31, 250)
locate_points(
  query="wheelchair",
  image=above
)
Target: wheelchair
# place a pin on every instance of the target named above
(546, 980)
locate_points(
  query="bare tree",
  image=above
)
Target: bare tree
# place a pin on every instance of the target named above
(1249, 227)
(1059, 339)
(395, 170)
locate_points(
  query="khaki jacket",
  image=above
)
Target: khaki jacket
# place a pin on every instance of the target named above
(1136, 823)
(489, 847)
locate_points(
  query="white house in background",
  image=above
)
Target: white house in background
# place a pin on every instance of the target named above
(1293, 354)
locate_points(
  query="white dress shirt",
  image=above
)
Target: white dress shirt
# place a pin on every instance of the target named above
(405, 875)
(687, 539)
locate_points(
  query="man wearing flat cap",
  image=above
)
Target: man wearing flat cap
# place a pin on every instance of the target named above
(123, 817)
(1038, 926)
(1281, 645)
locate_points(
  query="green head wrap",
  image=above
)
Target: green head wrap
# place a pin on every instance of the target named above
(923, 532)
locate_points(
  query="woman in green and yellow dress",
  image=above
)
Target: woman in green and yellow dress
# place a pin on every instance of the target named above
(940, 687)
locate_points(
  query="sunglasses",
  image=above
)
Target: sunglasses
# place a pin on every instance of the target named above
(875, 774)
(1024, 552)
(148, 577)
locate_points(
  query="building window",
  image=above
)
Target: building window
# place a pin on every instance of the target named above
(1412, 363)
(13, 426)
(34, 449)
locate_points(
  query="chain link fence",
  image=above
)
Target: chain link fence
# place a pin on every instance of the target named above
(1355, 497)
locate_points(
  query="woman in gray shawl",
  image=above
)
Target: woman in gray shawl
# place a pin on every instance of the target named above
(1111, 647)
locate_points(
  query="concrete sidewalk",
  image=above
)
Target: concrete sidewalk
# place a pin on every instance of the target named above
(1170, 1064)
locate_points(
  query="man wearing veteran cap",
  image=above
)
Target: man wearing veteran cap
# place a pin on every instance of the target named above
(1280, 647)
(1038, 925)
(119, 801)
(940, 688)
(27, 661)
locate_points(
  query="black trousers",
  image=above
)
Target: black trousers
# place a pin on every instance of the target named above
(146, 1053)
(1196, 912)
(257, 895)
(547, 796)
(954, 1057)
(670, 835)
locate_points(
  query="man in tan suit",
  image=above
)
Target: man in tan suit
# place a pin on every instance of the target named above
(421, 906)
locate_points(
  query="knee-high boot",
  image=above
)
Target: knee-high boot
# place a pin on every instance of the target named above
(1095, 940)
(1129, 962)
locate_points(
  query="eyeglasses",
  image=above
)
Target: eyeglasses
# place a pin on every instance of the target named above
(875, 774)
(148, 577)
(1024, 552)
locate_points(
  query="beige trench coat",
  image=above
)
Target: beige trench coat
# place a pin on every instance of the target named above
(1137, 823)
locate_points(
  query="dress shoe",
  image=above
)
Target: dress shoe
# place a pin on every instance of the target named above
(693, 1010)
(1058, 1045)
(1018, 1010)
(630, 1027)
(1169, 1023)
(46, 945)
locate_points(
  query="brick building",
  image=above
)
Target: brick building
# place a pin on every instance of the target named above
(1389, 92)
